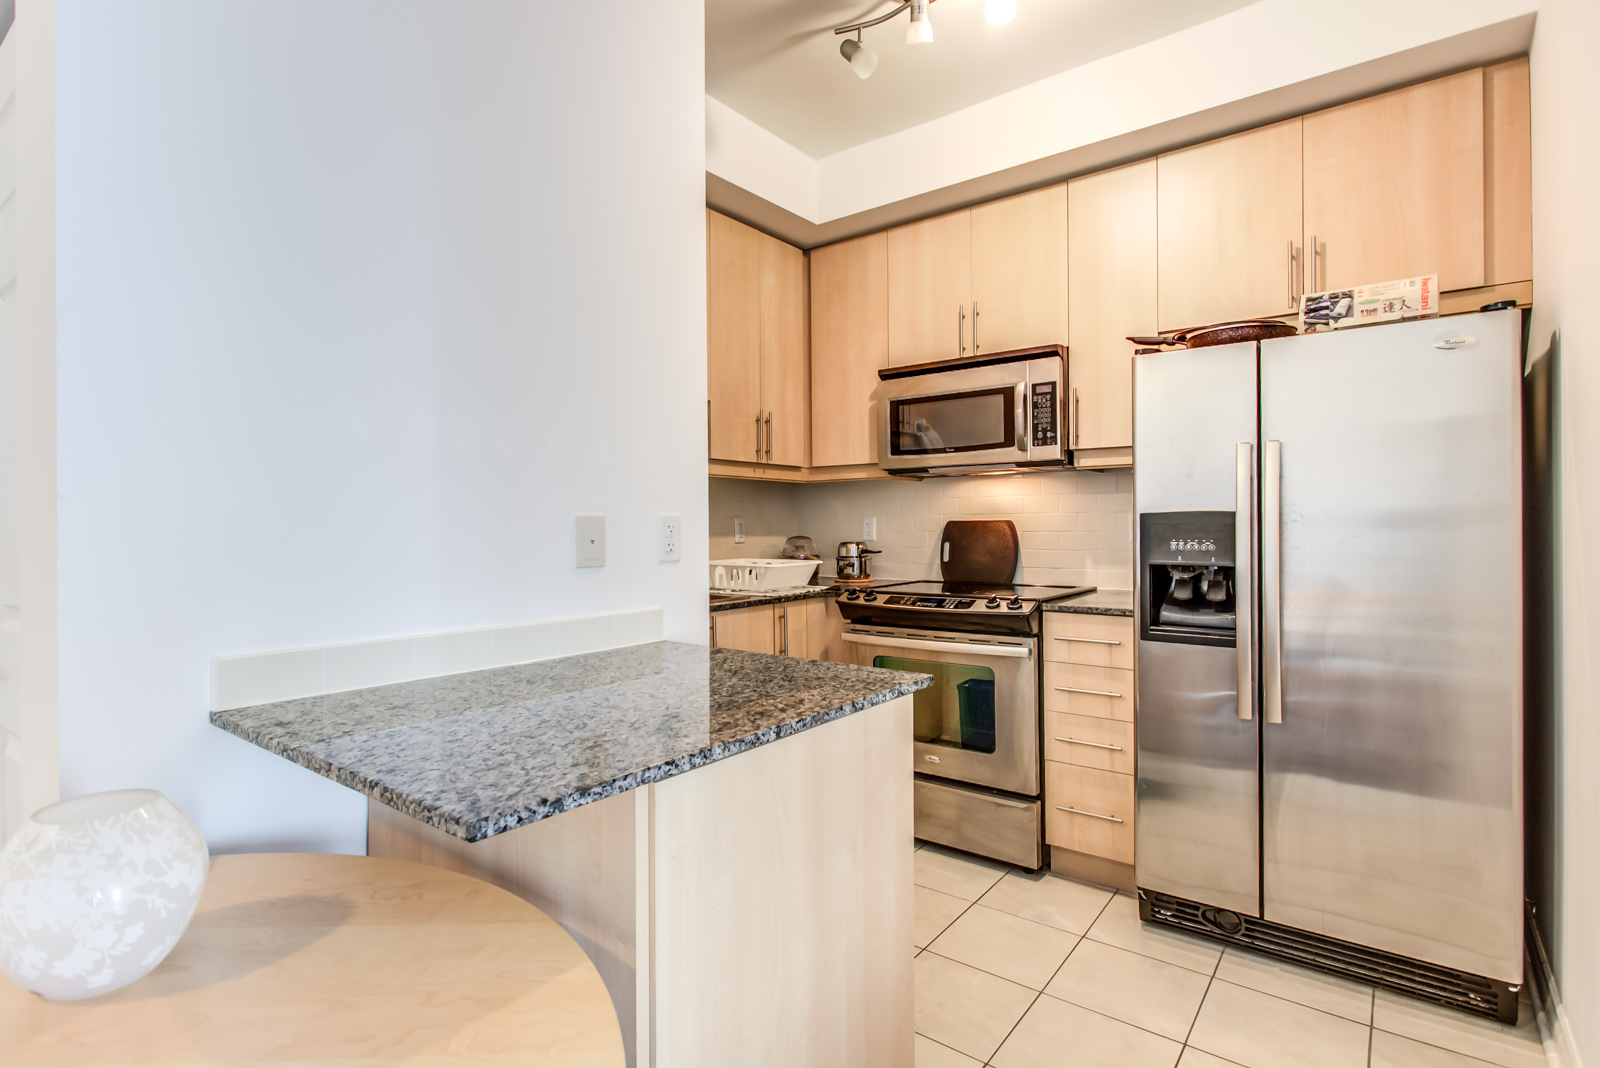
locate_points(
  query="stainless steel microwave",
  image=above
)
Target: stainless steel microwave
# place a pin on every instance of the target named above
(996, 412)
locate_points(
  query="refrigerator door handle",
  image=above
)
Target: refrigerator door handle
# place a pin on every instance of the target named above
(1272, 579)
(1243, 575)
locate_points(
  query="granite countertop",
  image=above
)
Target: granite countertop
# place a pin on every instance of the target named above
(483, 752)
(1098, 603)
(725, 602)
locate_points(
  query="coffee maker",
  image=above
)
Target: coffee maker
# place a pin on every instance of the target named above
(851, 563)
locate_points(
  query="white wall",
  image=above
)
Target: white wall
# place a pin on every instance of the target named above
(359, 305)
(1566, 158)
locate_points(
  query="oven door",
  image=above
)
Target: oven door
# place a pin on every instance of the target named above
(1008, 413)
(979, 721)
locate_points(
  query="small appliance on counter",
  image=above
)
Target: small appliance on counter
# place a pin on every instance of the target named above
(851, 563)
(979, 769)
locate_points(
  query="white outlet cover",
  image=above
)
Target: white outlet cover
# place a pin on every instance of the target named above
(869, 528)
(591, 541)
(669, 538)
(738, 531)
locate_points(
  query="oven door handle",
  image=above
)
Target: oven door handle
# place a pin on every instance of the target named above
(1021, 652)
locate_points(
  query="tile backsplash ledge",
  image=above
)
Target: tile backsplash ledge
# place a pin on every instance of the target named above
(1076, 527)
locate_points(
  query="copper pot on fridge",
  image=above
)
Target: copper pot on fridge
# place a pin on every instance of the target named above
(851, 563)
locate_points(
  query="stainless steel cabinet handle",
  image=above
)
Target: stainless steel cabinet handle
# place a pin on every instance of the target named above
(961, 330)
(1291, 274)
(1072, 433)
(1081, 812)
(1311, 250)
(1090, 641)
(1095, 693)
(1272, 579)
(713, 630)
(1244, 593)
(783, 638)
(758, 433)
(1097, 745)
(974, 327)
(769, 437)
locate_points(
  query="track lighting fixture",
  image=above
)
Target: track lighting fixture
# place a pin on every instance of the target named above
(920, 31)
(1000, 12)
(863, 60)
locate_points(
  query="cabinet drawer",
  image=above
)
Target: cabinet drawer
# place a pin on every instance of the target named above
(1088, 691)
(1089, 811)
(1105, 744)
(1095, 641)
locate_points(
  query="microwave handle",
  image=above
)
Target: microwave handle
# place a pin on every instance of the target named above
(1022, 417)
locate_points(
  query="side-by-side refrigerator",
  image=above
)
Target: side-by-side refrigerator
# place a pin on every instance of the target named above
(1329, 619)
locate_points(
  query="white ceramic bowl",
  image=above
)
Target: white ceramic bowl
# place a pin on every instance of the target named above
(95, 892)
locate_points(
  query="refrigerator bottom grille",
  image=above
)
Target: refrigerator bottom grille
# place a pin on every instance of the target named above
(1431, 982)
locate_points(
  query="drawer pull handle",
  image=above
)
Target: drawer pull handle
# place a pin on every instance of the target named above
(1081, 812)
(1091, 641)
(1097, 745)
(1096, 693)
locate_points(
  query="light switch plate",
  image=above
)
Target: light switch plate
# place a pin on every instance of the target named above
(738, 531)
(591, 541)
(669, 537)
(869, 528)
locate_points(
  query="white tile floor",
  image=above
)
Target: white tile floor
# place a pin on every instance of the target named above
(1018, 970)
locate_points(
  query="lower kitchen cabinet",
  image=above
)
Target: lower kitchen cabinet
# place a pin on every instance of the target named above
(1089, 746)
(810, 629)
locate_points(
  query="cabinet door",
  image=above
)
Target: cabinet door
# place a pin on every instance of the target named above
(849, 345)
(1394, 186)
(785, 370)
(807, 629)
(1019, 271)
(733, 338)
(752, 629)
(1229, 227)
(930, 286)
(1112, 228)
(1508, 174)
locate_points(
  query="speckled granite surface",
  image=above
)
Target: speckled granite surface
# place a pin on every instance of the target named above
(829, 590)
(486, 751)
(1098, 603)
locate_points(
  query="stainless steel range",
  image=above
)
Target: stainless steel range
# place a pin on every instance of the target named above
(978, 769)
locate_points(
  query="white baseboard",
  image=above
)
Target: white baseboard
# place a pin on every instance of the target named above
(260, 678)
(1555, 1030)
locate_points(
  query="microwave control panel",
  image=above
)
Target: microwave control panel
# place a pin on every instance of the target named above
(1042, 403)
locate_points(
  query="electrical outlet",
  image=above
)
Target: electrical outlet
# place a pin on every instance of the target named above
(669, 537)
(591, 541)
(738, 531)
(869, 528)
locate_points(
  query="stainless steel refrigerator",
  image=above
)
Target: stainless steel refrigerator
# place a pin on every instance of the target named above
(1329, 618)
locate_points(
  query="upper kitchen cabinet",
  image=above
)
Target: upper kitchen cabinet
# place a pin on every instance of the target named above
(1507, 174)
(785, 368)
(1112, 226)
(849, 346)
(1229, 225)
(1394, 187)
(930, 289)
(758, 380)
(1019, 271)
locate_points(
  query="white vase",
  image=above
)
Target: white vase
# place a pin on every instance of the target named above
(95, 892)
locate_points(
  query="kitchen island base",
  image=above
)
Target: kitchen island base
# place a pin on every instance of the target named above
(757, 911)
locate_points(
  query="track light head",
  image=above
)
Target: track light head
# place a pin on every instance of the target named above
(863, 60)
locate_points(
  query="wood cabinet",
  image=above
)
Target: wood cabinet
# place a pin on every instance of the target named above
(1228, 228)
(1112, 289)
(757, 360)
(1089, 745)
(930, 286)
(849, 346)
(1019, 271)
(1394, 186)
(810, 629)
(1507, 174)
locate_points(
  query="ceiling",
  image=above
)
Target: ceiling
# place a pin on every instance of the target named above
(777, 62)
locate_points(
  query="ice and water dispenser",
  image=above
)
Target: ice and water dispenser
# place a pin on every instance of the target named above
(1187, 563)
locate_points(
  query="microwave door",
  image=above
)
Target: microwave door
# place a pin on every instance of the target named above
(971, 418)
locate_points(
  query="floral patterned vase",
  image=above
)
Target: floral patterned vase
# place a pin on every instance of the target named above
(95, 892)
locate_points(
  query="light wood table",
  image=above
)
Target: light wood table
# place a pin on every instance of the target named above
(301, 959)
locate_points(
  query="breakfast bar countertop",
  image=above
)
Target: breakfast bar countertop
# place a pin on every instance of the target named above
(483, 752)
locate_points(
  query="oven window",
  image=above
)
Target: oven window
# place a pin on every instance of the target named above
(981, 420)
(957, 710)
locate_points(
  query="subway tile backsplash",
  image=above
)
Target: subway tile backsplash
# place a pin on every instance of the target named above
(1076, 526)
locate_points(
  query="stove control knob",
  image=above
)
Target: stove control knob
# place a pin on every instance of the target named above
(853, 595)
(1015, 604)
(993, 602)
(870, 597)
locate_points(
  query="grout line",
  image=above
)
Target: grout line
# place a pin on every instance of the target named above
(1370, 1030)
